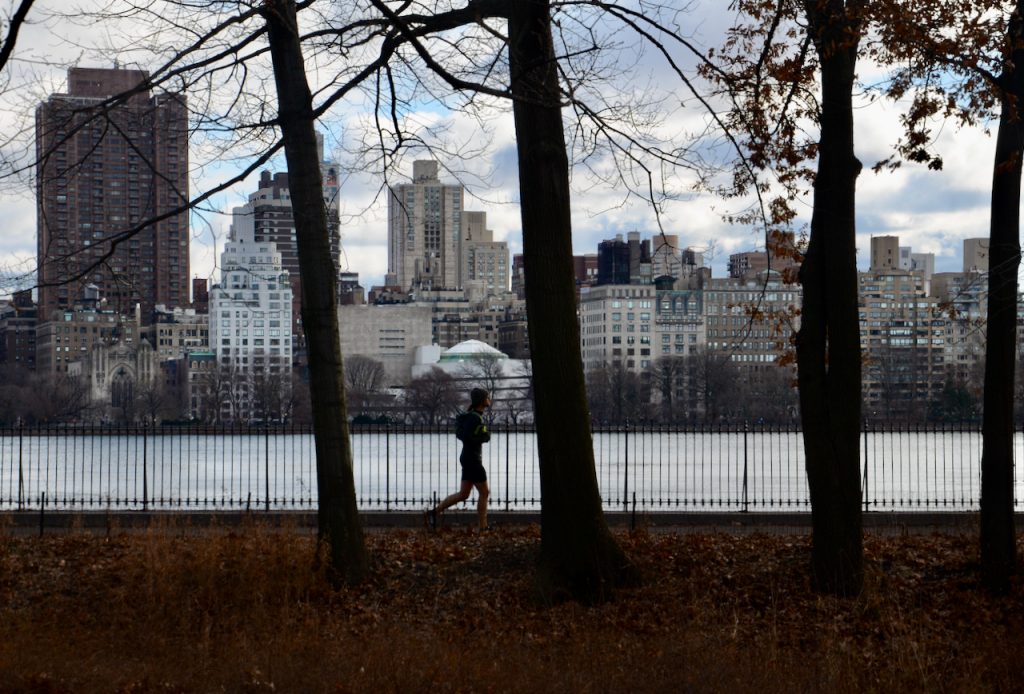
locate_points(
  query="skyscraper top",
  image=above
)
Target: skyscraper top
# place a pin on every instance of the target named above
(424, 170)
(102, 83)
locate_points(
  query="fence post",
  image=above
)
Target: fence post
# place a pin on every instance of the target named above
(746, 499)
(21, 470)
(864, 482)
(266, 463)
(387, 466)
(145, 472)
(42, 512)
(507, 457)
(625, 473)
(632, 517)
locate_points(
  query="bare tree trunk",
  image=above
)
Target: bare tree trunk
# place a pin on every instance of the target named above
(998, 535)
(338, 517)
(579, 556)
(828, 344)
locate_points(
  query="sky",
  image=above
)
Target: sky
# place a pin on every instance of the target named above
(931, 211)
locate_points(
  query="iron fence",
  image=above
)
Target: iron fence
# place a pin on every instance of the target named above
(402, 467)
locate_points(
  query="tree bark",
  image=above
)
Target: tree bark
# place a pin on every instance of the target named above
(338, 517)
(828, 344)
(998, 535)
(579, 557)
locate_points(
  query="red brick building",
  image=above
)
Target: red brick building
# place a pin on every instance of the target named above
(108, 165)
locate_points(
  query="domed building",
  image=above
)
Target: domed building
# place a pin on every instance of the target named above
(473, 363)
(471, 351)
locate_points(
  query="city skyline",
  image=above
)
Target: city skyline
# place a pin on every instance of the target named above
(364, 245)
(932, 211)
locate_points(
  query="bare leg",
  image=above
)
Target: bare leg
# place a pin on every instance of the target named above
(455, 498)
(483, 492)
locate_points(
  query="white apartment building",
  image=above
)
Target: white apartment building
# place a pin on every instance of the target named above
(617, 324)
(267, 218)
(250, 324)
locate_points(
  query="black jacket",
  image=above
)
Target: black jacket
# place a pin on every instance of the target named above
(471, 429)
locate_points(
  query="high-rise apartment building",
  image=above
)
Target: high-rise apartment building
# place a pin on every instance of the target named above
(250, 330)
(903, 341)
(267, 217)
(923, 263)
(584, 268)
(635, 325)
(112, 171)
(519, 275)
(425, 228)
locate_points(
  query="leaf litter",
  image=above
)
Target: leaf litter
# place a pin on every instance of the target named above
(457, 611)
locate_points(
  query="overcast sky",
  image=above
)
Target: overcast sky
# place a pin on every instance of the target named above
(930, 211)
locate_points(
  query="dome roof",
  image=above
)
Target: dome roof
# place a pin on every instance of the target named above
(472, 349)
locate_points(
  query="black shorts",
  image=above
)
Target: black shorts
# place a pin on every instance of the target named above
(473, 472)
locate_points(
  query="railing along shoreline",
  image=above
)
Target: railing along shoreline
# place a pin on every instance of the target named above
(647, 467)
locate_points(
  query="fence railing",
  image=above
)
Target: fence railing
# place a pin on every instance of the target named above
(402, 467)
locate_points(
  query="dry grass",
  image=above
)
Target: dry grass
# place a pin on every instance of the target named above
(245, 610)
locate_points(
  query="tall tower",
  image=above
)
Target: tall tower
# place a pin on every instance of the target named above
(424, 230)
(109, 166)
(267, 217)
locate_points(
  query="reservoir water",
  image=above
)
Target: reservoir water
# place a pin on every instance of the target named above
(405, 468)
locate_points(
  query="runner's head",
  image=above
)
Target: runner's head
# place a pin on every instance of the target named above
(478, 397)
